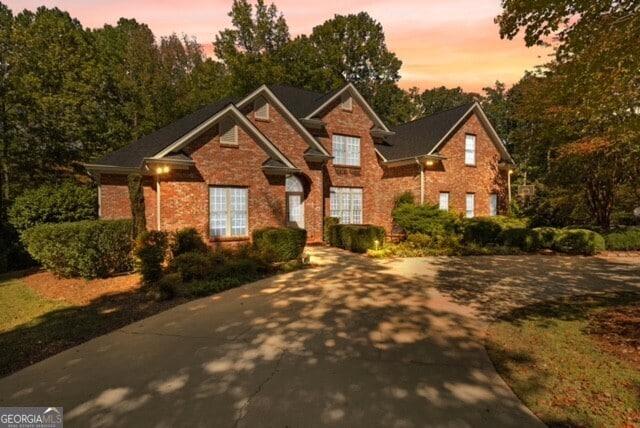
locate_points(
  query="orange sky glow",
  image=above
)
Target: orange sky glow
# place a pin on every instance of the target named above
(441, 43)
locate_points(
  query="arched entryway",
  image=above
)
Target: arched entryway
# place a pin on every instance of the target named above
(295, 202)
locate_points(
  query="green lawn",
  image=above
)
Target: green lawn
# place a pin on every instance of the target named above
(551, 361)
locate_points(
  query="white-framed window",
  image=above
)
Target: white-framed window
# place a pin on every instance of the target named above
(228, 132)
(470, 205)
(444, 201)
(493, 204)
(470, 150)
(228, 211)
(346, 204)
(346, 150)
(261, 109)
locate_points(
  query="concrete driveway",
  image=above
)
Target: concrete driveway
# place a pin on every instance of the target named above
(352, 343)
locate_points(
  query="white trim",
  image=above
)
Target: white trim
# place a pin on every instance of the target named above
(270, 96)
(241, 119)
(359, 98)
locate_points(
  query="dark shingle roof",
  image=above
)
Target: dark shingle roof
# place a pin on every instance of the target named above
(300, 102)
(421, 136)
(132, 155)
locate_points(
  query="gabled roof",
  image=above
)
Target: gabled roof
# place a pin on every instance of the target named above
(132, 155)
(420, 137)
(299, 102)
(424, 137)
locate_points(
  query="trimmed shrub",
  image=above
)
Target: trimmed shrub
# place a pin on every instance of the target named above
(623, 240)
(359, 238)
(546, 236)
(486, 230)
(187, 240)
(87, 249)
(328, 222)
(420, 240)
(279, 244)
(192, 265)
(151, 251)
(579, 241)
(426, 219)
(54, 203)
(520, 237)
(334, 235)
(169, 286)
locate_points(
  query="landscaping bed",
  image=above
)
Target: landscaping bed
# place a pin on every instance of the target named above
(574, 362)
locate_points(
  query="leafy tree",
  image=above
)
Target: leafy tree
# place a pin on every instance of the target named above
(6, 46)
(496, 106)
(435, 100)
(588, 98)
(249, 49)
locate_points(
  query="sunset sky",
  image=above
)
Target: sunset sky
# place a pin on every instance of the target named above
(450, 43)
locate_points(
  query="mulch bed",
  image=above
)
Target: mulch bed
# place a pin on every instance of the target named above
(617, 331)
(80, 291)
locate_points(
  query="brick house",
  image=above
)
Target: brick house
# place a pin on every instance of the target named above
(286, 156)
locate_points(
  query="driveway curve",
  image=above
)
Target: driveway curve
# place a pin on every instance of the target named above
(353, 342)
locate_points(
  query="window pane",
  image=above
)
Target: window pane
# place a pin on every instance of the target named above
(356, 206)
(334, 204)
(346, 204)
(295, 211)
(444, 201)
(238, 212)
(339, 150)
(470, 150)
(493, 205)
(218, 211)
(470, 205)
(353, 151)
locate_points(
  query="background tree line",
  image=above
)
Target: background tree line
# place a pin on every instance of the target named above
(69, 94)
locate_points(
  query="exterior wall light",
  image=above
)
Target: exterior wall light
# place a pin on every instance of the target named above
(429, 162)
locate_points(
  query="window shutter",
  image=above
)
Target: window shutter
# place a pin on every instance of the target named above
(228, 132)
(261, 109)
(347, 102)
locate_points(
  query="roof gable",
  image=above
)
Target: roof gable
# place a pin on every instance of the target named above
(425, 136)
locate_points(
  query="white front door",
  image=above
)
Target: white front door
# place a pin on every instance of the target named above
(296, 210)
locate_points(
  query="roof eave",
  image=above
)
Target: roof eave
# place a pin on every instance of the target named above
(112, 169)
(412, 159)
(312, 123)
(274, 170)
(381, 133)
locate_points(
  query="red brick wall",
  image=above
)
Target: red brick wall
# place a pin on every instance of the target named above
(114, 198)
(289, 141)
(452, 175)
(354, 123)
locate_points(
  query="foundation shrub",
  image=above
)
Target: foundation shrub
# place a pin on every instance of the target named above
(279, 244)
(579, 241)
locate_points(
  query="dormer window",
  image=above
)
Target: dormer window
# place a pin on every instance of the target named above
(347, 102)
(228, 132)
(261, 109)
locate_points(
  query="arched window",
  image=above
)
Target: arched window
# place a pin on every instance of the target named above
(293, 185)
(295, 202)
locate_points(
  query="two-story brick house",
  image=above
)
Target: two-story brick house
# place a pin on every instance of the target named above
(286, 156)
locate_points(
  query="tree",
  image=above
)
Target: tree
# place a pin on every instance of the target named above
(6, 47)
(435, 100)
(495, 105)
(590, 90)
(249, 49)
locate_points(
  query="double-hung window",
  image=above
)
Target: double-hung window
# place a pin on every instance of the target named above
(346, 204)
(346, 150)
(444, 201)
(470, 150)
(228, 209)
(470, 205)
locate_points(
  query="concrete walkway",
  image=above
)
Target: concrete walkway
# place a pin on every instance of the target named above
(351, 343)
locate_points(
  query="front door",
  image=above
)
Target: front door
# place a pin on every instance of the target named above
(295, 202)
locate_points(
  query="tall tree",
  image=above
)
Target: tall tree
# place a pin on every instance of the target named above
(435, 100)
(591, 88)
(249, 49)
(6, 47)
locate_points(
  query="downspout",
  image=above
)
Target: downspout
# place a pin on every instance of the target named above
(421, 181)
(158, 201)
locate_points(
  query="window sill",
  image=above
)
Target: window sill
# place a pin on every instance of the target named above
(262, 119)
(347, 166)
(230, 145)
(229, 239)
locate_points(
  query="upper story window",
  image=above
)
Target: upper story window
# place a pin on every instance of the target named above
(470, 150)
(261, 109)
(346, 150)
(346, 102)
(228, 132)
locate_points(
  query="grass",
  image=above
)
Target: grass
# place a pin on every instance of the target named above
(552, 361)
